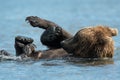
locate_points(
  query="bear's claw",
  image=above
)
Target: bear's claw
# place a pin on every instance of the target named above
(24, 39)
(34, 21)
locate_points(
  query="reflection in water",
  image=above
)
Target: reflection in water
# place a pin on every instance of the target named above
(78, 62)
(90, 62)
(69, 60)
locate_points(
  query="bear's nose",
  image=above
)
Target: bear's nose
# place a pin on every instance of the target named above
(62, 43)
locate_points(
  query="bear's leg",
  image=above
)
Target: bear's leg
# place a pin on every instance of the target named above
(44, 24)
(52, 37)
(53, 34)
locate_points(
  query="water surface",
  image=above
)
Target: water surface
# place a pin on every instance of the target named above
(72, 15)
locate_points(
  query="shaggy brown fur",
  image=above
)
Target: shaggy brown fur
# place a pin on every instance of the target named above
(94, 42)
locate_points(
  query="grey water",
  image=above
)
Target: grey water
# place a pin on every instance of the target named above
(71, 15)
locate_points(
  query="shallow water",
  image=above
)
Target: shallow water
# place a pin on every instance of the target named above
(72, 15)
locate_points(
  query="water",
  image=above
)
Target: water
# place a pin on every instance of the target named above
(72, 15)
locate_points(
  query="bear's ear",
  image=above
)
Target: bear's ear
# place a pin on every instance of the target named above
(114, 31)
(104, 40)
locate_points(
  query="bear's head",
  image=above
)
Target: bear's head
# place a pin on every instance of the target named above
(92, 42)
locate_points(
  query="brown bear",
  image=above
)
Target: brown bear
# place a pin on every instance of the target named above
(92, 42)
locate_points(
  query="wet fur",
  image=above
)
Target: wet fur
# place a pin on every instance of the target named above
(94, 42)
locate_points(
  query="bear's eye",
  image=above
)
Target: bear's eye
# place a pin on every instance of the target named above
(75, 39)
